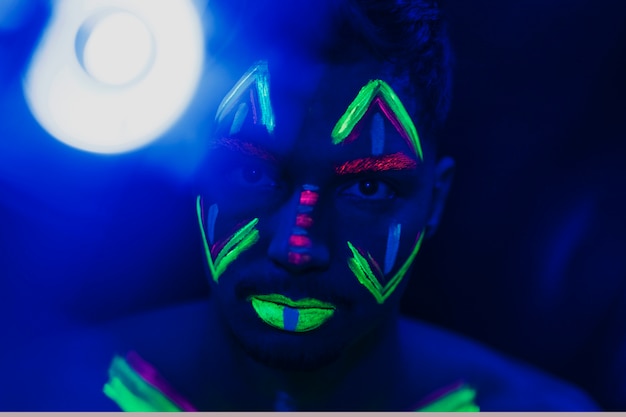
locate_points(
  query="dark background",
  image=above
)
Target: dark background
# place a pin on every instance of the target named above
(530, 258)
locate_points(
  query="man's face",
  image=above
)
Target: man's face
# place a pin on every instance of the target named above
(319, 192)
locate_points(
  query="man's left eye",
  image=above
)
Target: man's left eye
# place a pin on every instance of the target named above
(254, 176)
(368, 189)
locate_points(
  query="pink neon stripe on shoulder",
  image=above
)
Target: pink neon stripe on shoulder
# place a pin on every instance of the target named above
(440, 393)
(152, 376)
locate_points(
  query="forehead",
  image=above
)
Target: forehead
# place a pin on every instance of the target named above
(308, 97)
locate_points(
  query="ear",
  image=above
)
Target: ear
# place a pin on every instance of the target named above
(444, 172)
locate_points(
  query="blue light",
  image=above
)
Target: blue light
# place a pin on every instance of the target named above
(112, 76)
(115, 48)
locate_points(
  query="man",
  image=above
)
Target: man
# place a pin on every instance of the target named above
(320, 187)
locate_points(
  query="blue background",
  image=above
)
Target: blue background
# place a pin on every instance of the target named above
(530, 258)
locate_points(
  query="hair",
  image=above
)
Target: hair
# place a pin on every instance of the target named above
(409, 36)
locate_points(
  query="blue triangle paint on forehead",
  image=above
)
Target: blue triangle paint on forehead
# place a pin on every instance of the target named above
(256, 82)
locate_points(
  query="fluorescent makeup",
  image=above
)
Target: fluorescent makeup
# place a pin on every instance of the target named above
(286, 314)
(393, 243)
(253, 88)
(457, 398)
(240, 117)
(246, 148)
(211, 218)
(134, 385)
(393, 162)
(361, 267)
(299, 241)
(377, 92)
(377, 133)
(229, 249)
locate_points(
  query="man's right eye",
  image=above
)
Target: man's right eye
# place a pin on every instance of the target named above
(253, 175)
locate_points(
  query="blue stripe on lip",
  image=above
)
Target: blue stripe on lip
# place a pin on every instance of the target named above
(290, 318)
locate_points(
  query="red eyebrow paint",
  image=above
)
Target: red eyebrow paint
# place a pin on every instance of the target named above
(393, 162)
(246, 148)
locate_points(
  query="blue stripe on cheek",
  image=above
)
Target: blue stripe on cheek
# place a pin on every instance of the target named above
(290, 318)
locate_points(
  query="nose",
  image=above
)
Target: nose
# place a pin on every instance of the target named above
(299, 242)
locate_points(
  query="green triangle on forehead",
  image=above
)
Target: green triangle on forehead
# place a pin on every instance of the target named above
(259, 77)
(378, 92)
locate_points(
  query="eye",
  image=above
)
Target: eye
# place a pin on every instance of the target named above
(254, 175)
(370, 189)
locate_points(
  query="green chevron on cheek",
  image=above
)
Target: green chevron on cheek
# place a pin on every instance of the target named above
(362, 270)
(240, 241)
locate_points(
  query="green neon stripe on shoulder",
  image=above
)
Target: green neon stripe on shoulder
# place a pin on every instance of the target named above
(132, 393)
(460, 400)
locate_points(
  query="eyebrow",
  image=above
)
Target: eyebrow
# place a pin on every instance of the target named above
(398, 161)
(246, 148)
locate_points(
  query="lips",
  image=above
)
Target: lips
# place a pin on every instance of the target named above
(290, 315)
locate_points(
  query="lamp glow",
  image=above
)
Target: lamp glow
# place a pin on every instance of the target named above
(110, 76)
(116, 48)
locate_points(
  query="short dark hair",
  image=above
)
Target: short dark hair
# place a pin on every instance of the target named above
(411, 36)
(408, 35)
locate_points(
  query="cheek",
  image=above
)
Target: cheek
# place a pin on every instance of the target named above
(223, 248)
(380, 257)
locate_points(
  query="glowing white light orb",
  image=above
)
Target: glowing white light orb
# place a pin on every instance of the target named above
(110, 76)
(116, 48)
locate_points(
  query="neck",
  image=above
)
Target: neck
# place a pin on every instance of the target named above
(365, 377)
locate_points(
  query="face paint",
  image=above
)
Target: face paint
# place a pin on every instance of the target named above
(211, 218)
(457, 398)
(393, 243)
(253, 86)
(229, 249)
(134, 385)
(377, 92)
(246, 148)
(240, 117)
(362, 269)
(299, 241)
(284, 313)
(394, 162)
(377, 133)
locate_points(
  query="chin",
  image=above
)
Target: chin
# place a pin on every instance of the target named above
(298, 361)
(291, 352)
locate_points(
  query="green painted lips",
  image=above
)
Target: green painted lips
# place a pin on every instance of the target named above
(284, 313)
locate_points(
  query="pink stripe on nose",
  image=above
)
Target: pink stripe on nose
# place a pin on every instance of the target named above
(308, 198)
(304, 221)
(298, 258)
(300, 241)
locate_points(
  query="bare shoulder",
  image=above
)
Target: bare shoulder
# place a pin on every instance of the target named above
(167, 337)
(502, 383)
(62, 371)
